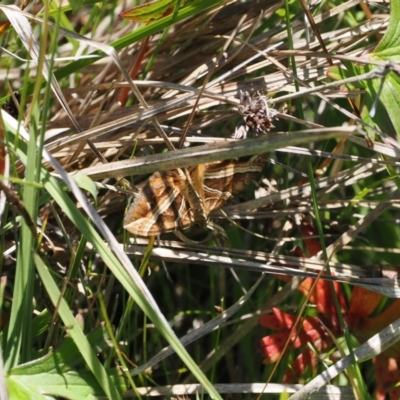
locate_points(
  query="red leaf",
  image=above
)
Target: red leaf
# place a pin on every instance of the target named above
(363, 302)
(299, 365)
(316, 333)
(270, 347)
(310, 330)
(363, 328)
(322, 297)
(278, 321)
(313, 245)
(387, 377)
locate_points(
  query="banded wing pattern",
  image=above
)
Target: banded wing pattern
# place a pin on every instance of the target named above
(175, 200)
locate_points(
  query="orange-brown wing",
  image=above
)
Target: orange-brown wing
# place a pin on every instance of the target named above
(194, 193)
(160, 206)
(246, 170)
(224, 179)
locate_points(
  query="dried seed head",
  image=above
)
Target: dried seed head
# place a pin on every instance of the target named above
(257, 116)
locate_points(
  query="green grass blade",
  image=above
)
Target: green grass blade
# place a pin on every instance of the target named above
(75, 331)
(19, 330)
(121, 267)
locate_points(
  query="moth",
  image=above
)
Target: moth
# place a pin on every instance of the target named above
(177, 199)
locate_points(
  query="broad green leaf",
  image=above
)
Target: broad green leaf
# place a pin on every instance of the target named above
(152, 10)
(20, 391)
(389, 47)
(53, 374)
(387, 115)
(64, 357)
(385, 96)
(76, 385)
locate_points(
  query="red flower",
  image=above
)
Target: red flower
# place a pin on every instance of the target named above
(362, 304)
(314, 330)
(310, 330)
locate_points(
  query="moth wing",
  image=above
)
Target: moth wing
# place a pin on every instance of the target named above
(246, 170)
(159, 207)
(218, 178)
(224, 179)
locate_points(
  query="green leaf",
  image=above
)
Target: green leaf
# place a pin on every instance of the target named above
(74, 385)
(41, 323)
(20, 391)
(20, 327)
(75, 4)
(389, 47)
(75, 331)
(91, 2)
(85, 183)
(53, 374)
(385, 96)
(65, 357)
(152, 10)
